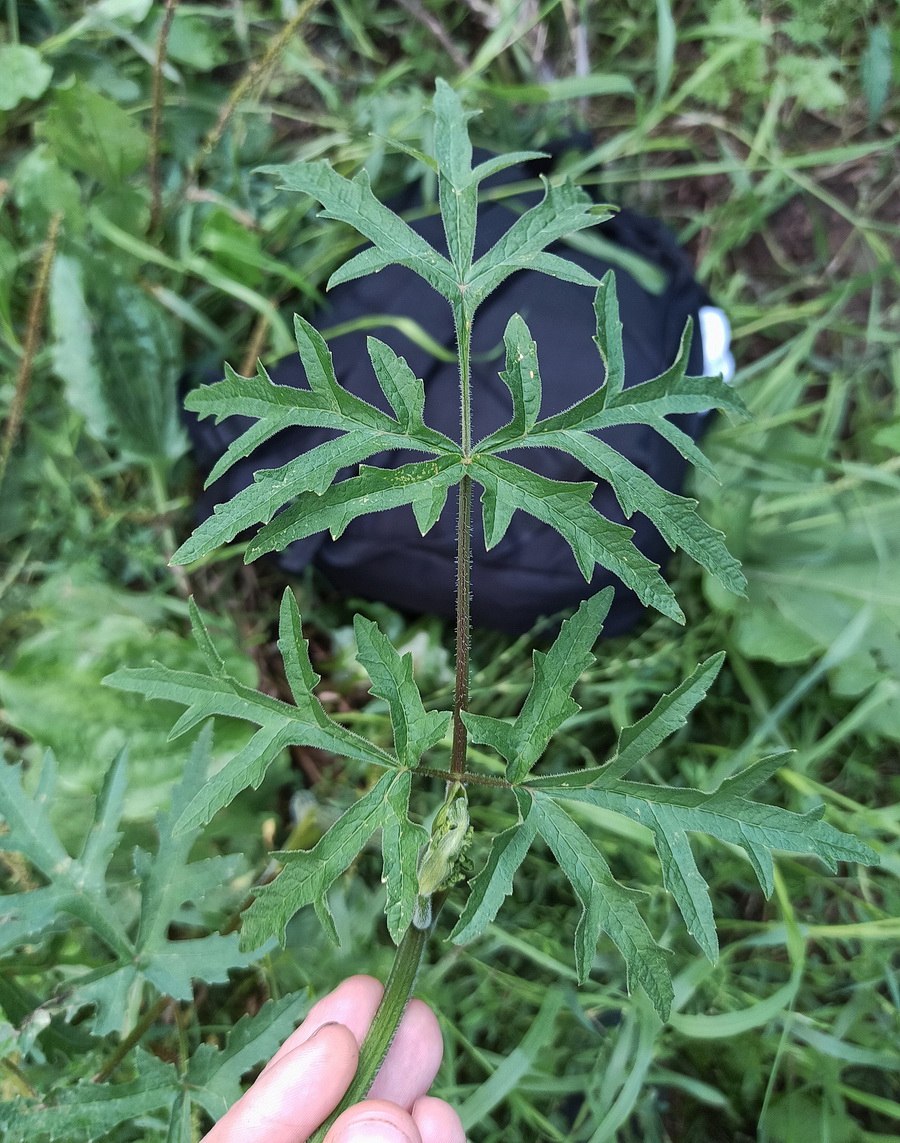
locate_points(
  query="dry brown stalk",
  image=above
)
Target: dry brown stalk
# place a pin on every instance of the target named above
(162, 42)
(30, 345)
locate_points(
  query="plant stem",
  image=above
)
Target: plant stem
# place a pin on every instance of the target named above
(149, 1018)
(156, 115)
(463, 549)
(12, 20)
(254, 73)
(397, 993)
(158, 487)
(30, 344)
(408, 957)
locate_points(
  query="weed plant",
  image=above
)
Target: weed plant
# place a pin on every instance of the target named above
(769, 143)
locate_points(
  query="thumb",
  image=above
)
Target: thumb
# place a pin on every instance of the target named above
(374, 1121)
(295, 1093)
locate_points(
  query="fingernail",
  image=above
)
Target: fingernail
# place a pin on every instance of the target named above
(322, 1027)
(372, 1129)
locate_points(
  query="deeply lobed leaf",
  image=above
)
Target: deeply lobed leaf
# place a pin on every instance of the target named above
(307, 875)
(566, 507)
(549, 702)
(78, 888)
(280, 724)
(606, 906)
(352, 201)
(366, 432)
(415, 729)
(422, 484)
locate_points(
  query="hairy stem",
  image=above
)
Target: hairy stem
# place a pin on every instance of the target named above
(397, 993)
(408, 957)
(463, 550)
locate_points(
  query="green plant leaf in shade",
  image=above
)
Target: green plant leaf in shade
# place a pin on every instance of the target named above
(352, 201)
(294, 648)
(140, 343)
(608, 338)
(606, 906)
(167, 881)
(401, 842)
(308, 874)
(74, 356)
(312, 471)
(675, 517)
(76, 884)
(549, 701)
(78, 889)
(876, 67)
(668, 715)
(494, 882)
(23, 75)
(213, 1074)
(280, 724)
(366, 430)
(415, 729)
(563, 210)
(86, 1111)
(726, 813)
(404, 391)
(89, 132)
(521, 376)
(566, 507)
(422, 484)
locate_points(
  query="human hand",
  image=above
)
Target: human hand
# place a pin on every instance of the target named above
(305, 1079)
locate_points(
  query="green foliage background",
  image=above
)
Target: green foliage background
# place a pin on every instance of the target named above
(768, 141)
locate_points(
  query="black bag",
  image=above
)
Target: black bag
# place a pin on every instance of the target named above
(531, 572)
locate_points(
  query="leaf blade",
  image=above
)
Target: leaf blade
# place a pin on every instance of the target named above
(606, 906)
(307, 874)
(374, 490)
(566, 508)
(352, 201)
(494, 881)
(548, 702)
(415, 729)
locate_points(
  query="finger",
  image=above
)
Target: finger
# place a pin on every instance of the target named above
(437, 1121)
(414, 1058)
(352, 1004)
(293, 1096)
(375, 1121)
